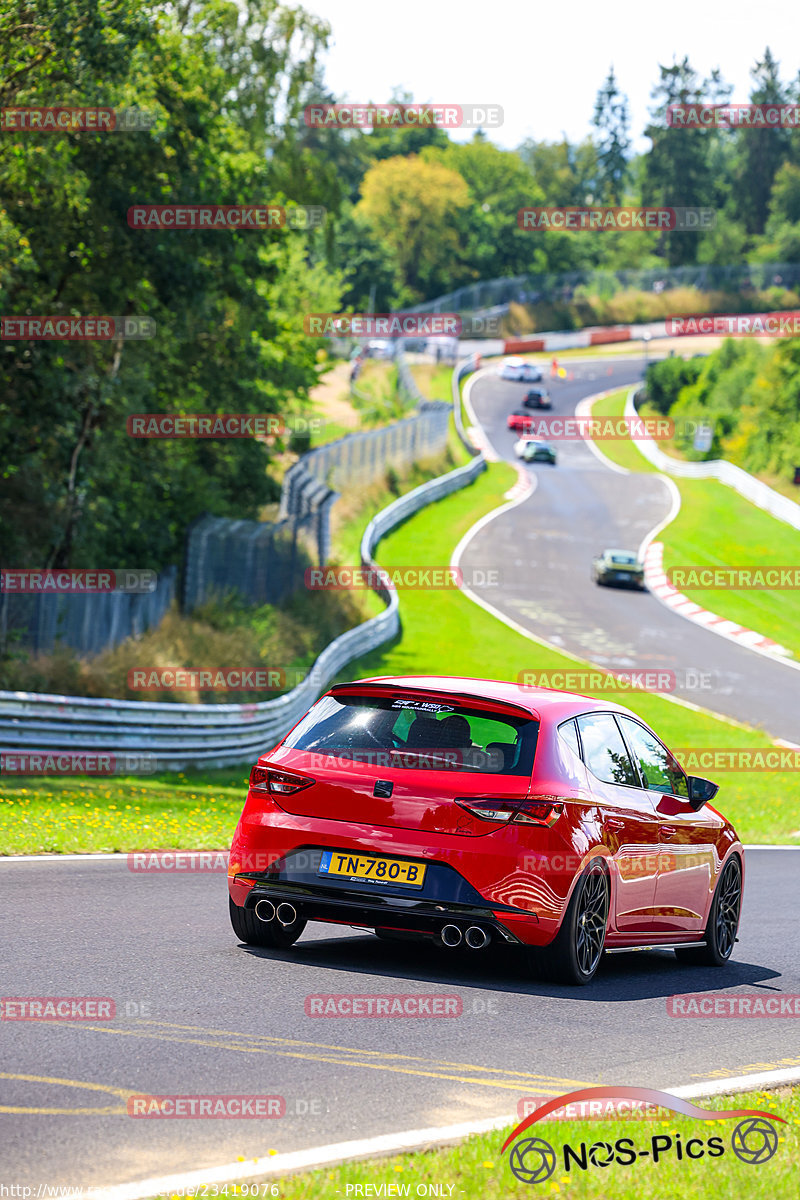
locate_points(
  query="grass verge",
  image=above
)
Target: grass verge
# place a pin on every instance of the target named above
(717, 527)
(434, 380)
(476, 1170)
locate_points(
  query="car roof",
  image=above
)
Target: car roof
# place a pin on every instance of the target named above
(550, 703)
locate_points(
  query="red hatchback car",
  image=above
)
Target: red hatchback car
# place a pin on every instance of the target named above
(471, 810)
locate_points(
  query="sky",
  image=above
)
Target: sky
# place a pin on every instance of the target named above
(544, 63)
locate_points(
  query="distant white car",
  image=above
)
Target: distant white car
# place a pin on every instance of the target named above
(521, 371)
(380, 348)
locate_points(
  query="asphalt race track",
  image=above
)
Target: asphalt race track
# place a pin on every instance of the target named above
(197, 1013)
(543, 549)
(225, 1019)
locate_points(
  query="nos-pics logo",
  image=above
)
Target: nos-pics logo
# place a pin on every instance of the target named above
(754, 1139)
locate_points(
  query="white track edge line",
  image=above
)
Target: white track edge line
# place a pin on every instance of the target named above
(395, 1143)
(103, 857)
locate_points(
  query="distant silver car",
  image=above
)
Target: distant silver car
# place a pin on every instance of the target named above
(618, 567)
(521, 371)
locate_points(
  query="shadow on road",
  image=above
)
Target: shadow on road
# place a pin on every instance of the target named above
(642, 975)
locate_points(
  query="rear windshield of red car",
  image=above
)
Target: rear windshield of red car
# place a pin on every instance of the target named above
(417, 734)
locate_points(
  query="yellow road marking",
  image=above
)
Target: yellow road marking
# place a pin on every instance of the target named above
(271, 1040)
(92, 1087)
(545, 1083)
(748, 1069)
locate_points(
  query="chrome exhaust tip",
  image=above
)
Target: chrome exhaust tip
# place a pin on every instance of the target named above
(451, 935)
(476, 938)
(265, 910)
(286, 913)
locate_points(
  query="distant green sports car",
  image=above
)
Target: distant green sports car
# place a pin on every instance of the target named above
(618, 567)
(534, 450)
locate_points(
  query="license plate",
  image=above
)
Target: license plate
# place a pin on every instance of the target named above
(371, 869)
(623, 575)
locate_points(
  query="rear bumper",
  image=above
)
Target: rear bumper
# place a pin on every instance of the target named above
(610, 577)
(465, 883)
(382, 911)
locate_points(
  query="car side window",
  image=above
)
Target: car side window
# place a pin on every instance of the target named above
(604, 751)
(659, 770)
(569, 733)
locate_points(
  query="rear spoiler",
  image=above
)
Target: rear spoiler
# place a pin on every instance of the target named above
(362, 688)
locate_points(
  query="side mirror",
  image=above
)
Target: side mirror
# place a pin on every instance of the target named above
(700, 791)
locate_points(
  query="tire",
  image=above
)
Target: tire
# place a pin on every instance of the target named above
(723, 921)
(253, 932)
(573, 958)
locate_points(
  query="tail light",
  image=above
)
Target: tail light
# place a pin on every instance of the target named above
(538, 810)
(281, 783)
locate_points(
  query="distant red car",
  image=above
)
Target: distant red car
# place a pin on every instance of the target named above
(520, 422)
(470, 810)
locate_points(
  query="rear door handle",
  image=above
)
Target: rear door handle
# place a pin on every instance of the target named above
(614, 823)
(668, 832)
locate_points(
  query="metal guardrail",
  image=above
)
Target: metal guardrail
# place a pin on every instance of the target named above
(463, 368)
(741, 481)
(176, 736)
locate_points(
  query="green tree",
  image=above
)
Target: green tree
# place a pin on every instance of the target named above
(677, 169)
(75, 489)
(500, 185)
(414, 206)
(612, 121)
(761, 152)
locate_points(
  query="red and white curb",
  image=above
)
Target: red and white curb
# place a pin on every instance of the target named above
(523, 487)
(479, 439)
(660, 586)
